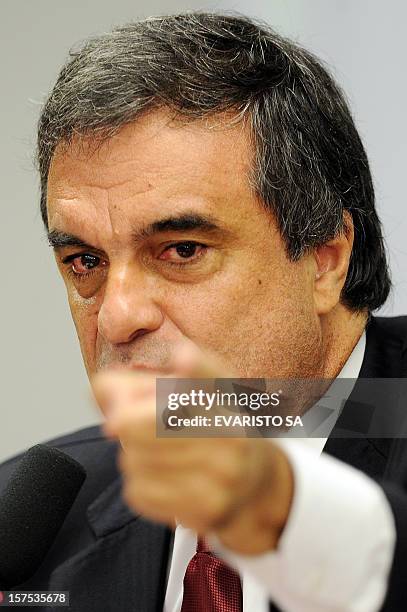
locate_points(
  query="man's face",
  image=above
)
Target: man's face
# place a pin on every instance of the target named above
(164, 241)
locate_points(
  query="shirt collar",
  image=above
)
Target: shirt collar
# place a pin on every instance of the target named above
(353, 364)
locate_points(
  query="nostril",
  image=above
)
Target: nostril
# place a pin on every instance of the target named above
(138, 334)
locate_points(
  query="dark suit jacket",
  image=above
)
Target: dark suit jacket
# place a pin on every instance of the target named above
(111, 560)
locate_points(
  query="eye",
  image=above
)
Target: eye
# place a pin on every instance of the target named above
(187, 251)
(83, 265)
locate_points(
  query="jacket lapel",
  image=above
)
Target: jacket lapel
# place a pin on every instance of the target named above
(124, 569)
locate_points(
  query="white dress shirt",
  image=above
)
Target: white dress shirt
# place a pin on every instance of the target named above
(335, 552)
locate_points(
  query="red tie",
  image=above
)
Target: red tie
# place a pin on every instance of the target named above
(210, 585)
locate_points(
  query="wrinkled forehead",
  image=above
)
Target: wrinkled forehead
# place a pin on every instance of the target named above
(153, 165)
(153, 154)
(157, 142)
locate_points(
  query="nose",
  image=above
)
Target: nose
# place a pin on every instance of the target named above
(128, 309)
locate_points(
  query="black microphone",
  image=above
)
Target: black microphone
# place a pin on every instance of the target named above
(33, 507)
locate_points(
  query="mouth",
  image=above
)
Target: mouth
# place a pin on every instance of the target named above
(140, 367)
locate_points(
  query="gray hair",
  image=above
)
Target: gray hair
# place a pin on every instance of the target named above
(309, 163)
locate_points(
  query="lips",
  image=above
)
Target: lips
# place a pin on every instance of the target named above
(139, 367)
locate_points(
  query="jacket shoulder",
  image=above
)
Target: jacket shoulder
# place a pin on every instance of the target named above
(98, 456)
(88, 446)
(394, 325)
(387, 341)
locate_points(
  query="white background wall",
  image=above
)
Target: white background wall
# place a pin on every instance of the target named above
(43, 384)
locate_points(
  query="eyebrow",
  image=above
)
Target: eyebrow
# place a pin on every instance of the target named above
(58, 239)
(180, 223)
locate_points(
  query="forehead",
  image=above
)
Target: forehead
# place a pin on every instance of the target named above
(154, 162)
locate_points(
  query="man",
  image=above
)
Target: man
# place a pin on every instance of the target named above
(206, 194)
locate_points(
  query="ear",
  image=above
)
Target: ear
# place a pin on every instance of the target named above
(331, 267)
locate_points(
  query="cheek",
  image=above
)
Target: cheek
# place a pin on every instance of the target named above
(84, 314)
(210, 314)
(260, 326)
